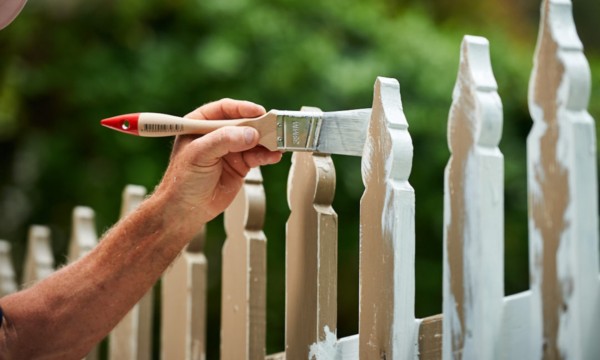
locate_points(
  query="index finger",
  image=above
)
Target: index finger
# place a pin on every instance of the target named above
(227, 109)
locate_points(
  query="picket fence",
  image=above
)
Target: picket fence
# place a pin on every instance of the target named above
(558, 317)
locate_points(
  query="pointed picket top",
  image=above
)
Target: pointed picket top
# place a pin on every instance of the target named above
(390, 123)
(473, 211)
(8, 282)
(475, 90)
(387, 325)
(561, 77)
(563, 210)
(243, 310)
(39, 260)
(83, 232)
(132, 197)
(311, 253)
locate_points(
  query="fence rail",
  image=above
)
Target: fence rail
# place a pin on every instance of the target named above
(558, 317)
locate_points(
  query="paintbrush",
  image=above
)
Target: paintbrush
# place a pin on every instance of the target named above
(340, 132)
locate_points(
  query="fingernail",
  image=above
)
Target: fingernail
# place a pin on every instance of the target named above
(249, 135)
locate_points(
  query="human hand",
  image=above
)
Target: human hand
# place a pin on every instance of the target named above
(205, 173)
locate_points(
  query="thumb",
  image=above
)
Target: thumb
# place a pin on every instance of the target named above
(223, 141)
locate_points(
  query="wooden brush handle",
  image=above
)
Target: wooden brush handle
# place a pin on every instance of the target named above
(160, 125)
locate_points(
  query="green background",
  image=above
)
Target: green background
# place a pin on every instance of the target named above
(66, 64)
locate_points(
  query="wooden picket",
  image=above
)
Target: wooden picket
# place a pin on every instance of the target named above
(563, 194)
(387, 325)
(83, 233)
(131, 338)
(244, 300)
(39, 261)
(557, 318)
(83, 239)
(8, 282)
(183, 304)
(474, 211)
(311, 253)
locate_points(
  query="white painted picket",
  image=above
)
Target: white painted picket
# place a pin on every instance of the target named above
(563, 195)
(387, 324)
(474, 211)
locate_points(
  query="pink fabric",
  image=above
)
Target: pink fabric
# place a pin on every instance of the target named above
(9, 9)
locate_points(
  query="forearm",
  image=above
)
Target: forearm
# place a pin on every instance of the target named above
(67, 313)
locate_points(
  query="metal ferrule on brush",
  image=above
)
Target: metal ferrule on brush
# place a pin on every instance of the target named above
(298, 130)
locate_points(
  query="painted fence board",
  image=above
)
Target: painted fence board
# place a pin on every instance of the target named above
(311, 253)
(83, 239)
(563, 195)
(243, 310)
(516, 326)
(131, 339)
(39, 260)
(83, 233)
(430, 337)
(8, 278)
(183, 304)
(348, 348)
(387, 324)
(473, 211)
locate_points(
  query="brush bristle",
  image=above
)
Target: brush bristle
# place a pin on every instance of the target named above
(344, 132)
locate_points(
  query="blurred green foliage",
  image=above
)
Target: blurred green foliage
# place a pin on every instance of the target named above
(66, 64)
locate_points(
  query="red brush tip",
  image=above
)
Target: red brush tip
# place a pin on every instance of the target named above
(127, 123)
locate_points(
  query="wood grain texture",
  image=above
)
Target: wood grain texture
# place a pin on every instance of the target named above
(474, 211)
(243, 313)
(387, 326)
(83, 239)
(131, 339)
(183, 303)
(311, 253)
(8, 278)
(39, 260)
(563, 210)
